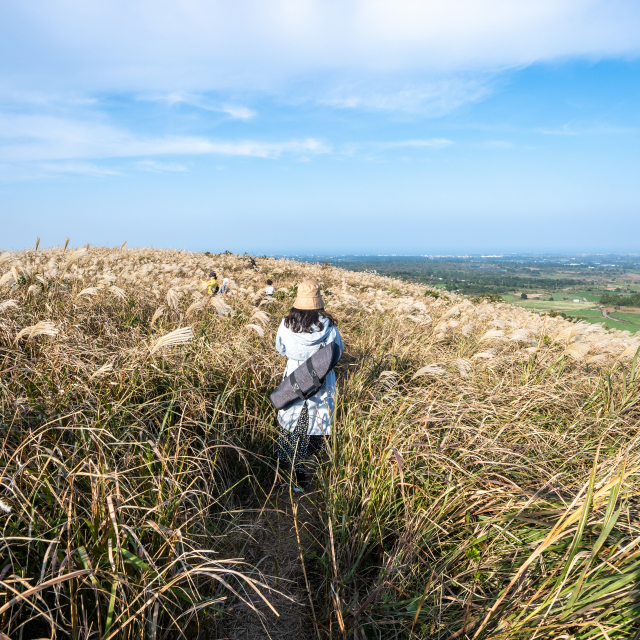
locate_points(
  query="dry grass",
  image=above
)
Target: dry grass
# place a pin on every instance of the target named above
(481, 482)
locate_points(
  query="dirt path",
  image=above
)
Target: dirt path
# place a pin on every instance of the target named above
(275, 547)
(605, 314)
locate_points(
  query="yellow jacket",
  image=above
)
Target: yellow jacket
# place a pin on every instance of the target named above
(212, 285)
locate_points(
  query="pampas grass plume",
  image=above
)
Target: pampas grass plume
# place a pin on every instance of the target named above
(179, 336)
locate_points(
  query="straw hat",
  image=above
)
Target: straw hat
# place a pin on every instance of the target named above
(308, 296)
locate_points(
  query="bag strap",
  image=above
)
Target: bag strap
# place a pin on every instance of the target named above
(312, 373)
(296, 387)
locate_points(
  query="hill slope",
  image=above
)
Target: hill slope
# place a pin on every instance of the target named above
(482, 478)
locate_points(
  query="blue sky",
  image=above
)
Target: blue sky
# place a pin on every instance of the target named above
(320, 127)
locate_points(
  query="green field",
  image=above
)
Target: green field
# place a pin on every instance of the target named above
(583, 310)
(565, 306)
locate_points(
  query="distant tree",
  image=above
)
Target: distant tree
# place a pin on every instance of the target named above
(524, 296)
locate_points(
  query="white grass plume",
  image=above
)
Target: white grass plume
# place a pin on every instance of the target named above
(105, 368)
(118, 292)
(77, 255)
(577, 350)
(571, 332)
(7, 304)
(173, 298)
(42, 328)
(629, 352)
(198, 305)
(7, 279)
(179, 336)
(492, 334)
(220, 306)
(429, 370)
(520, 335)
(258, 329)
(261, 317)
(464, 367)
(5, 257)
(486, 355)
(158, 312)
(89, 291)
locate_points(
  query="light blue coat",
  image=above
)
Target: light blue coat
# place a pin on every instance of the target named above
(298, 347)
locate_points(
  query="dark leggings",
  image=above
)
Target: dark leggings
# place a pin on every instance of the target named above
(295, 446)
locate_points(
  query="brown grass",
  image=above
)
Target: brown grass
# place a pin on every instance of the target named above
(493, 495)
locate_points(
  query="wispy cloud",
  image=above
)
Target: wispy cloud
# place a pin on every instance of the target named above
(160, 167)
(84, 169)
(432, 143)
(45, 138)
(431, 98)
(569, 130)
(236, 111)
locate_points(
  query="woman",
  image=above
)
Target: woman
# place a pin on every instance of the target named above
(304, 424)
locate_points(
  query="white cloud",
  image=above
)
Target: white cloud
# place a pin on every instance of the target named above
(160, 167)
(433, 143)
(201, 102)
(433, 98)
(80, 168)
(251, 45)
(27, 138)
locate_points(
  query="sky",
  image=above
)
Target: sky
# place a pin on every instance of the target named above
(321, 126)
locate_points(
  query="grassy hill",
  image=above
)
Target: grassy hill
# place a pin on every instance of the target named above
(482, 479)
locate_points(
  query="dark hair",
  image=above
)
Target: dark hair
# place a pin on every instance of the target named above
(269, 282)
(212, 274)
(303, 320)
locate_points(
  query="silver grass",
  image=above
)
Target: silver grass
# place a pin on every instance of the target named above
(117, 291)
(258, 329)
(173, 298)
(463, 366)
(198, 305)
(89, 291)
(261, 317)
(158, 312)
(77, 255)
(577, 350)
(179, 336)
(483, 354)
(7, 304)
(42, 328)
(105, 368)
(629, 352)
(429, 370)
(5, 257)
(492, 334)
(520, 335)
(572, 332)
(220, 306)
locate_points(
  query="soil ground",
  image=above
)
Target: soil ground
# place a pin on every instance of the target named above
(274, 545)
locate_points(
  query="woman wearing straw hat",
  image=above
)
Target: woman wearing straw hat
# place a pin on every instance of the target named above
(306, 423)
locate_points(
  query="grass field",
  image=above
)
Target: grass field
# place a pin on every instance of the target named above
(482, 479)
(538, 304)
